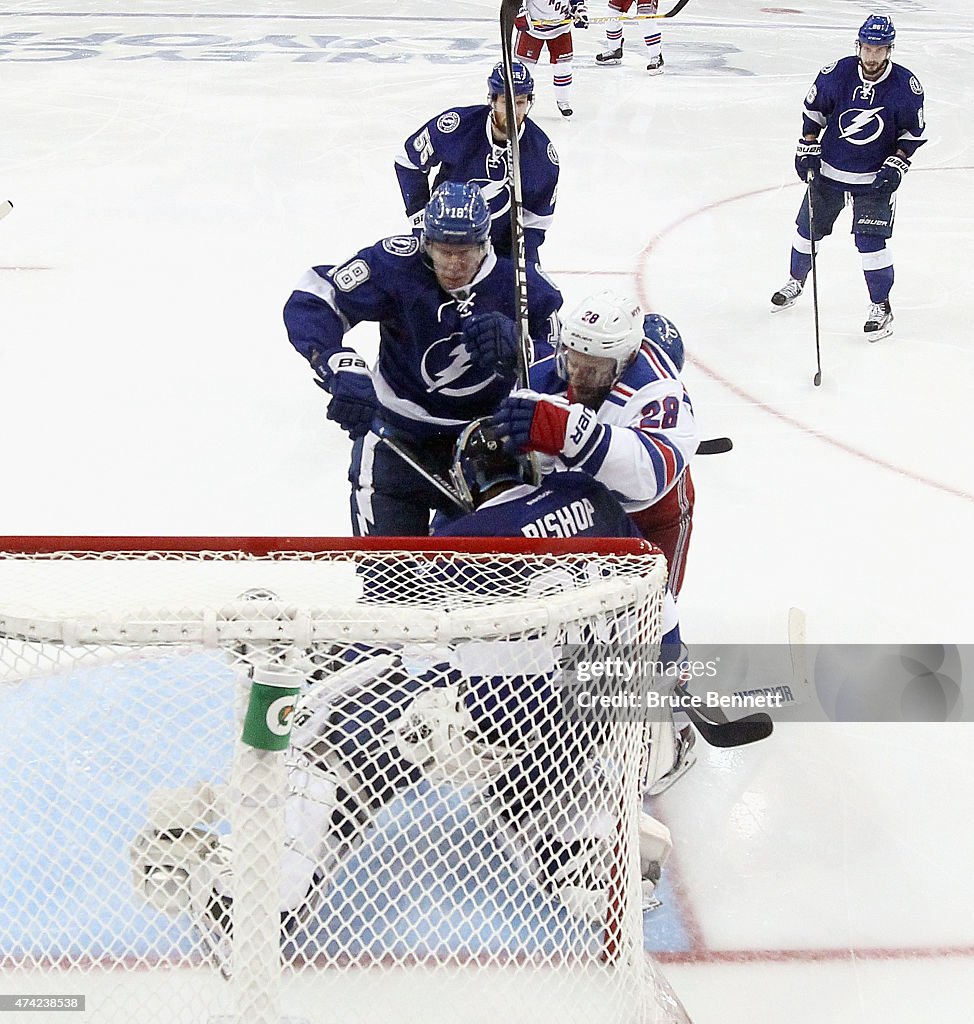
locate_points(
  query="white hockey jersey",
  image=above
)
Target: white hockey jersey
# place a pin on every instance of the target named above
(648, 430)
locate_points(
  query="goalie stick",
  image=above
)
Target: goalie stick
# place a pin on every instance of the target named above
(509, 9)
(5, 207)
(737, 733)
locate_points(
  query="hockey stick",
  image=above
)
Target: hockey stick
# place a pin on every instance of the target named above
(5, 207)
(675, 9)
(509, 9)
(817, 379)
(715, 446)
(738, 733)
(438, 482)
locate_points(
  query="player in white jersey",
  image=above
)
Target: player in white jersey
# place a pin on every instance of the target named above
(610, 403)
(549, 23)
(652, 36)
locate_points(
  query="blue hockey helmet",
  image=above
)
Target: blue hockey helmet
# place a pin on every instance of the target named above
(877, 30)
(480, 461)
(457, 214)
(662, 333)
(520, 75)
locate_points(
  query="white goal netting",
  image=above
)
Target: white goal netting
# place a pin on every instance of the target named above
(246, 782)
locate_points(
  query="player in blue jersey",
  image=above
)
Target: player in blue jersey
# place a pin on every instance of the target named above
(510, 501)
(863, 121)
(610, 403)
(470, 144)
(445, 305)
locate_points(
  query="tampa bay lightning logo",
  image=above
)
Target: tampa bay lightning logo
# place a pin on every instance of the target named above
(447, 369)
(401, 245)
(494, 185)
(859, 126)
(448, 122)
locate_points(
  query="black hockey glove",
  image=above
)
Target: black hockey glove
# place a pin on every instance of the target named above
(580, 16)
(808, 158)
(491, 339)
(347, 379)
(890, 176)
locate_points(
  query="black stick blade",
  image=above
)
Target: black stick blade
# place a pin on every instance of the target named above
(715, 446)
(746, 730)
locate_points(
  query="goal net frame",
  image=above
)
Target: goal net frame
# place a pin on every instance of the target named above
(99, 602)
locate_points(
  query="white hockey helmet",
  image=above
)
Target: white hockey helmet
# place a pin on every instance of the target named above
(605, 324)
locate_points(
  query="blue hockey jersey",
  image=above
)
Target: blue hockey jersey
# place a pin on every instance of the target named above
(459, 143)
(564, 505)
(864, 122)
(423, 377)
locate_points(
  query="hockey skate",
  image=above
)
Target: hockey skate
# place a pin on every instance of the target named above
(565, 108)
(608, 58)
(786, 295)
(879, 321)
(655, 66)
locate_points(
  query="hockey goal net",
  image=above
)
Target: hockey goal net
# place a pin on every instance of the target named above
(264, 780)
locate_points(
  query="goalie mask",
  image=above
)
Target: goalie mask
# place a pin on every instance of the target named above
(480, 462)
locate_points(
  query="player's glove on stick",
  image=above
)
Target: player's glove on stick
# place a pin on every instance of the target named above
(522, 22)
(540, 423)
(347, 379)
(890, 176)
(492, 341)
(580, 16)
(808, 158)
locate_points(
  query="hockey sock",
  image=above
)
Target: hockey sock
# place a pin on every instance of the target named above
(653, 44)
(877, 266)
(801, 264)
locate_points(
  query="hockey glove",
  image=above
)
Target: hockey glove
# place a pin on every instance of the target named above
(580, 16)
(808, 158)
(417, 222)
(890, 176)
(491, 340)
(522, 22)
(347, 379)
(542, 423)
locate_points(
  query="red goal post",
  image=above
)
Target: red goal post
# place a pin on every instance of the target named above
(474, 853)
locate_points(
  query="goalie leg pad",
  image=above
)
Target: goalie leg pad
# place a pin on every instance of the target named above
(655, 847)
(166, 865)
